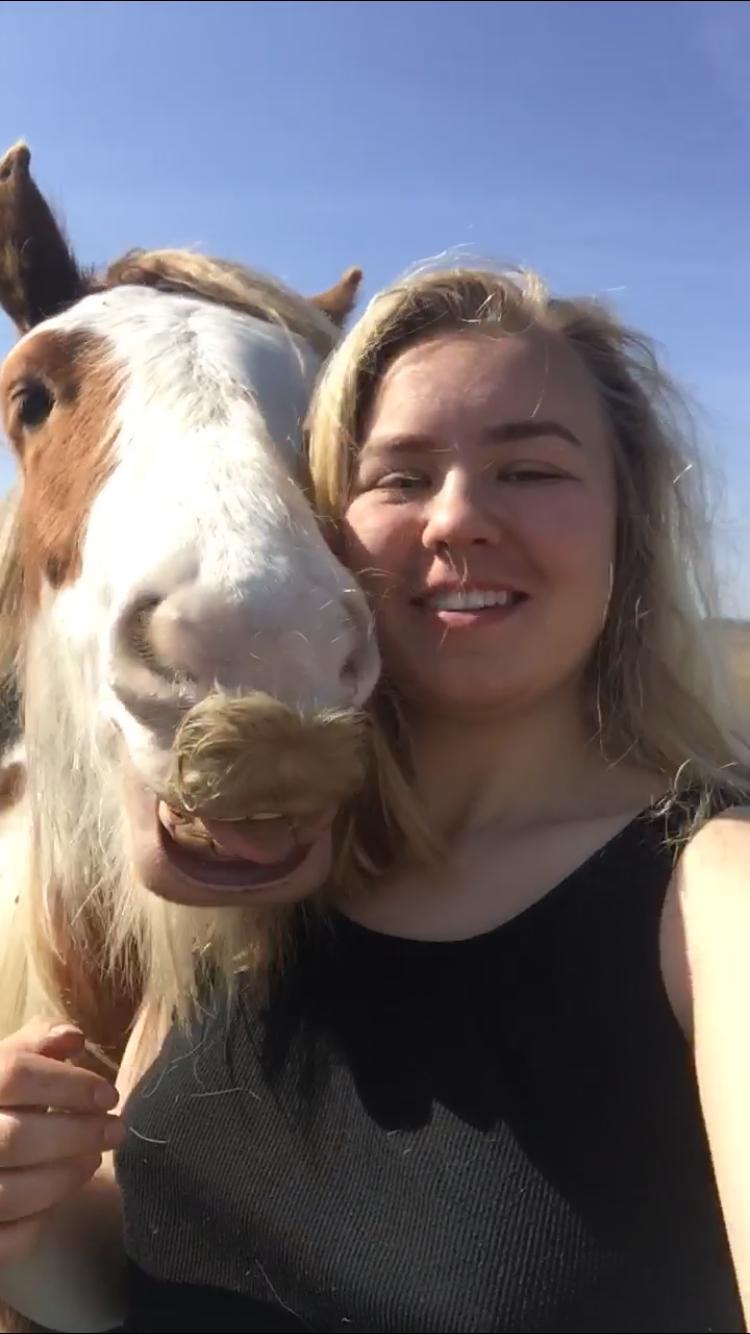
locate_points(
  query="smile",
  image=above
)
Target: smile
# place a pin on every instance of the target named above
(476, 599)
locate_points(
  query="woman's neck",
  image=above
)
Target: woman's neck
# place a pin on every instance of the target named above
(538, 766)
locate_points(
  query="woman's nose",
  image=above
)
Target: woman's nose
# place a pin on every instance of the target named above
(458, 515)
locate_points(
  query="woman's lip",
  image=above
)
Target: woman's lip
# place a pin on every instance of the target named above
(470, 619)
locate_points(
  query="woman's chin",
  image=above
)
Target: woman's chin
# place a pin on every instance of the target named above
(460, 692)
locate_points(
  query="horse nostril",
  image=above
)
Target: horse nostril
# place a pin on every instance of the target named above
(349, 671)
(135, 629)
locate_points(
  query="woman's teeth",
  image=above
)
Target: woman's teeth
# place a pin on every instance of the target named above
(470, 600)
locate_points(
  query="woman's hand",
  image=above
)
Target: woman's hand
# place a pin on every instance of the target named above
(54, 1128)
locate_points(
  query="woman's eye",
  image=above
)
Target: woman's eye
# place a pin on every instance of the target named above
(529, 475)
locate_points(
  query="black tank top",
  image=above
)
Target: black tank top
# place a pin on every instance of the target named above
(501, 1133)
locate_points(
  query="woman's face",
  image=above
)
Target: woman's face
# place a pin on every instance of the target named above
(482, 519)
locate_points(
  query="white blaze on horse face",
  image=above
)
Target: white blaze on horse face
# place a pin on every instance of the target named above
(202, 563)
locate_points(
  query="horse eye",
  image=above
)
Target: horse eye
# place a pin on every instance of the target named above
(35, 403)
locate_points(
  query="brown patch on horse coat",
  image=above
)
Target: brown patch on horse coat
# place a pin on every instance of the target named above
(67, 458)
(12, 785)
(96, 997)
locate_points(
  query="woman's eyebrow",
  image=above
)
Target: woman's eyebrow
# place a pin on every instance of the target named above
(503, 433)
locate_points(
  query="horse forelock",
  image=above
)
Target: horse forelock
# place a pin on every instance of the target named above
(220, 282)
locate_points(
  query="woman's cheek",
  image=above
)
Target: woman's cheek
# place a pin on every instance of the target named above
(570, 528)
(354, 537)
(372, 532)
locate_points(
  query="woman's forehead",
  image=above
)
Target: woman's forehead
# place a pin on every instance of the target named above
(477, 374)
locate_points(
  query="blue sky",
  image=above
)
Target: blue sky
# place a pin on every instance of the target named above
(606, 144)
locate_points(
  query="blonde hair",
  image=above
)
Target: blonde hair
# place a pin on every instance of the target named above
(659, 693)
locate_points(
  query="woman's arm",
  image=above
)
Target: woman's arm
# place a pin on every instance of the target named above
(709, 925)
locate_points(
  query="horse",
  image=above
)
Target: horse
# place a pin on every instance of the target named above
(185, 660)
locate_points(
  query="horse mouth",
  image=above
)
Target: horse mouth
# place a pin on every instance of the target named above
(237, 855)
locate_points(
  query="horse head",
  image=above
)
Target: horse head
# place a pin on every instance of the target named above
(192, 658)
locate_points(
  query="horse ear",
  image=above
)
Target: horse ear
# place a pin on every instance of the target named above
(38, 274)
(339, 301)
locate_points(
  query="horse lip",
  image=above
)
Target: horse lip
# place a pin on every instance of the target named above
(240, 875)
(153, 702)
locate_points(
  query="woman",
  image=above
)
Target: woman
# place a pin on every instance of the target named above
(504, 1087)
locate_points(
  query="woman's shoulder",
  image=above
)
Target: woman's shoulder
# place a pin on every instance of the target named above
(711, 880)
(706, 917)
(707, 929)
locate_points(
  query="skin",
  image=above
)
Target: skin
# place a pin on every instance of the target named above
(502, 705)
(441, 494)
